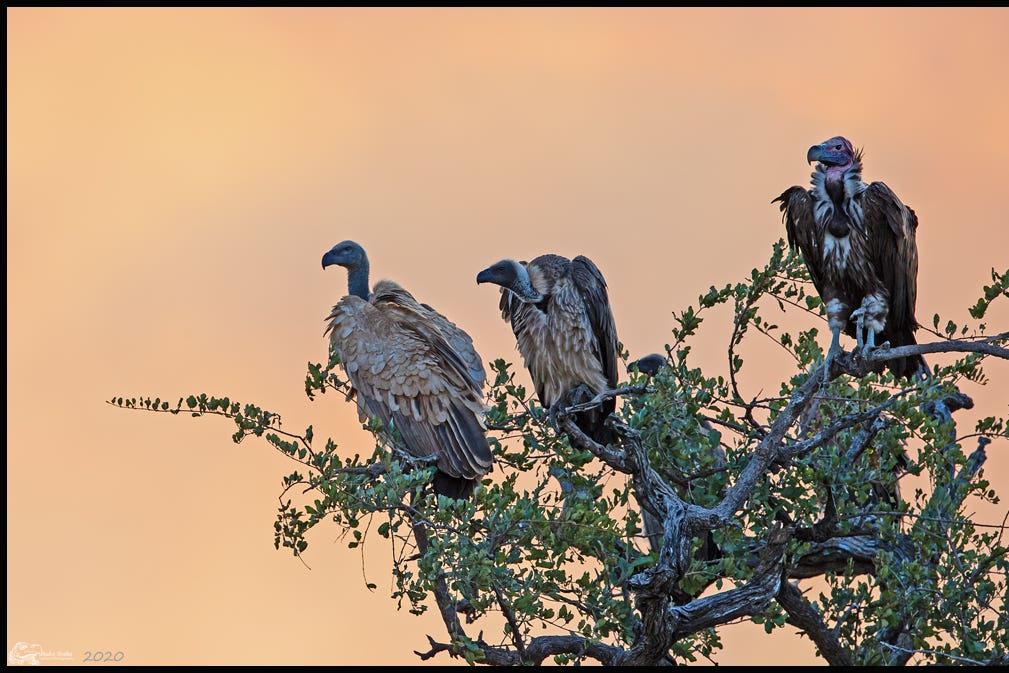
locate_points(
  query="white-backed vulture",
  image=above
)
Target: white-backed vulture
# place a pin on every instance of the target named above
(560, 313)
(414, 370)
(858, 243)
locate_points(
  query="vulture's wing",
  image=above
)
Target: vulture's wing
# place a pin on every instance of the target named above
(392, 293)
(462, 343)
(592, 287)
(797, 213)
(408, 376)
(891, 228)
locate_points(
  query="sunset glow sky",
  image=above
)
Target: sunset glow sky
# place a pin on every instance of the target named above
(174, 176)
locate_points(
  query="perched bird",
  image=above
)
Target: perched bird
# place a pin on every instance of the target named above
(414, 370)
(858, 243)
(648, 365)
(560, 313)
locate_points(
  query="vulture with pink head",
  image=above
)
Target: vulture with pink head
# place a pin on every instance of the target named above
(857, 240)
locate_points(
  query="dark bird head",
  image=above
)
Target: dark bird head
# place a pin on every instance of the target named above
(352, 257)
(347, 254)
(650, 364)
(513, 276)
(837, 151)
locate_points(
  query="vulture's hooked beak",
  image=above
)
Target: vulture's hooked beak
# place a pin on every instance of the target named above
(814, 153)
(510, 275)
(485, 276)
(328, 259)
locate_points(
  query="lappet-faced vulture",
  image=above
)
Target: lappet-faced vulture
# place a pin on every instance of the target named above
(559, 310)
(858, 243)
(414, 370)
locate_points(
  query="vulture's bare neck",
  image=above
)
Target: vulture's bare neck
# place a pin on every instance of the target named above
(357, 280)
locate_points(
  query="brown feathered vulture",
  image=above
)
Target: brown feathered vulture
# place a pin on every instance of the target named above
(414, 370)
(559, 310)
(858, 243)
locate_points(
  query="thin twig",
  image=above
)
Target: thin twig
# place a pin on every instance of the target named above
(935, 653)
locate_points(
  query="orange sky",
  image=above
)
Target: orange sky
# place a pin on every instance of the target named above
(174, 176)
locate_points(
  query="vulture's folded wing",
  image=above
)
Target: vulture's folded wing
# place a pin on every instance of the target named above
(891, 228)
(462, 344)
(797, 214)
(407, 375)
(592, 287)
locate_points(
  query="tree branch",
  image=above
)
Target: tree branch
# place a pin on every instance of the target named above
(607, 395)
(802, 615)
(665, 623)
(952, 346)
(538, 650)
(512, 623)
(442, 597)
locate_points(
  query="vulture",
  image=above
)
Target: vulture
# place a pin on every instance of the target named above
(414, 370)
(858, 243)
(560, 313)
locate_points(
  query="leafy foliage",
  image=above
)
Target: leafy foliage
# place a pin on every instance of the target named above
(750, 502)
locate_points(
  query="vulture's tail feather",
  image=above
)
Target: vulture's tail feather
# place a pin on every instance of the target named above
(457, 488)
